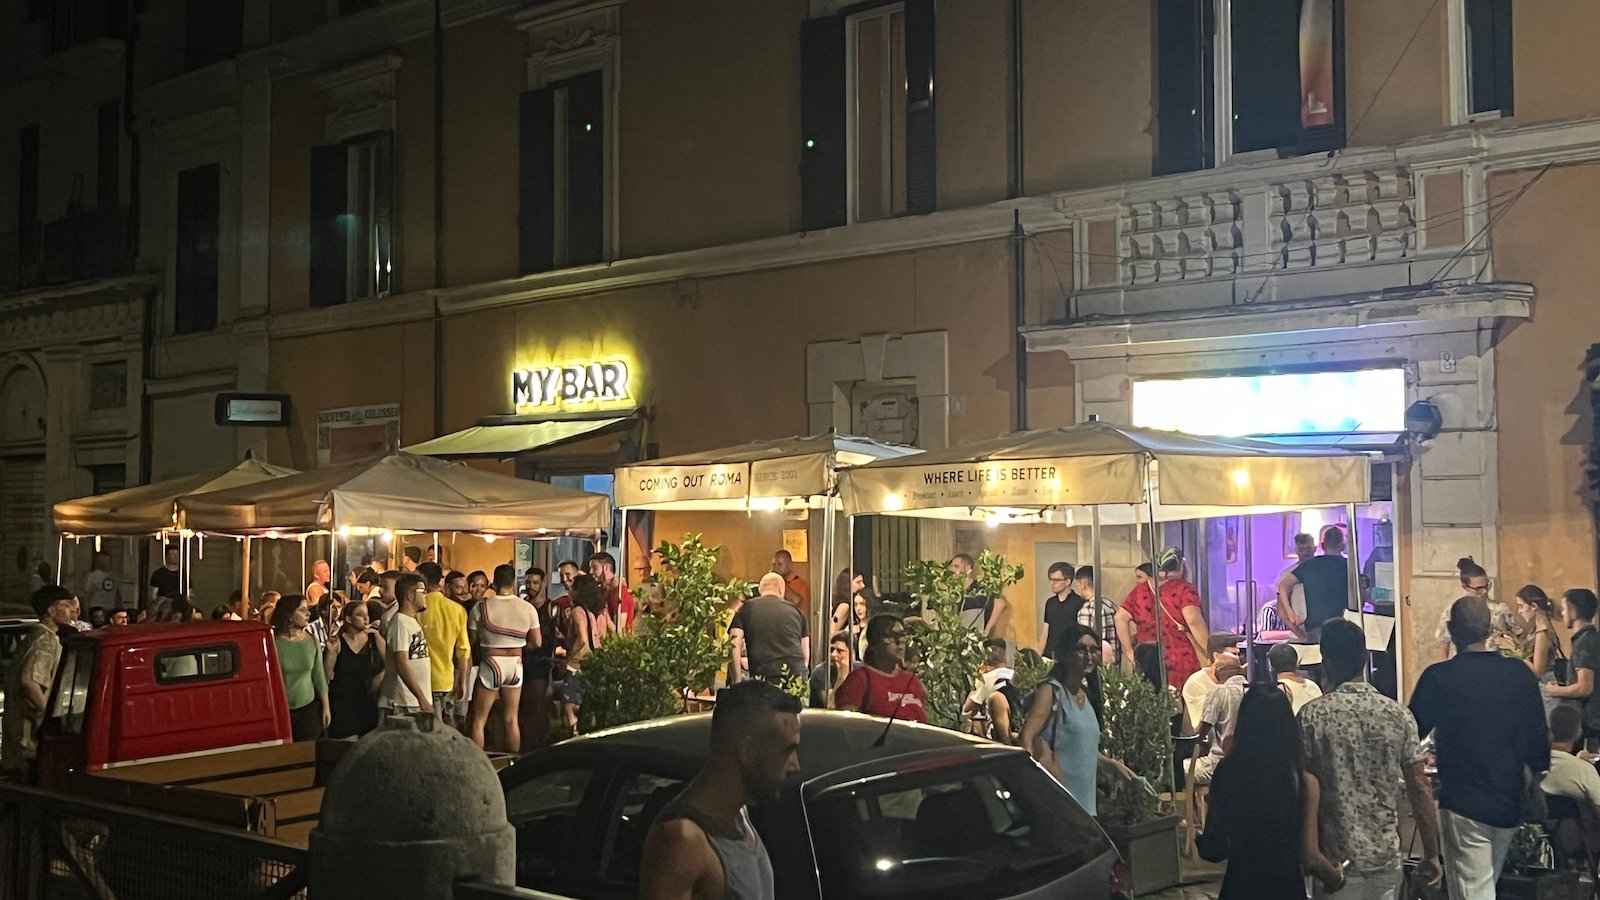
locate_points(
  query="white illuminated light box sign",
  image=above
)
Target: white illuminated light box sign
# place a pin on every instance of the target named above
(581, 383)
(1367, 400)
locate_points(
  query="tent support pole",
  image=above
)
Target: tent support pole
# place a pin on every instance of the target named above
(61, 541)
(1249, 598)
(822, 593)
(243, 609)
(1161, 644)
(1353, 578)
(1094, 589)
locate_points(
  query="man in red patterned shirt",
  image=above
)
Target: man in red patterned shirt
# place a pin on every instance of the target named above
(1179, 615)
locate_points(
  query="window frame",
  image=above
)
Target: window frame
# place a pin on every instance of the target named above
(1459, 45)
(376, 286)
(231, 648)
(852, 112)
(563, 43)
(1324, 138)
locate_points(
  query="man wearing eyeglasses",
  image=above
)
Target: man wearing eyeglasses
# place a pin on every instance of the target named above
(883, 686)
(1060, 607)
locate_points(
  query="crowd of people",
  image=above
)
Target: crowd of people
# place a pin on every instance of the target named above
(1302, 770)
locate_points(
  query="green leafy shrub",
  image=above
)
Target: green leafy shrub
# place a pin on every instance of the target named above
(1137, 729)
(945, 653)
(675, 650)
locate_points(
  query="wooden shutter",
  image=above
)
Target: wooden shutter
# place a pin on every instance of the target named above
(586, 161)
(1489, 28)
(823, 158)
(330, 202)
(1184, 79)
(922, 174)
(108, 163)
(199, 216)
(536, 180)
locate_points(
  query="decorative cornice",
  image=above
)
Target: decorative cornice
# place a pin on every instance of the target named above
(363, 34)
(75, 314)
(360, 314)
(1171, 330)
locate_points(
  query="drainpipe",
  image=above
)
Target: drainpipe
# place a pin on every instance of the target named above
(1014, 186)
(438, 214)
(147, 357)
(1019, 282)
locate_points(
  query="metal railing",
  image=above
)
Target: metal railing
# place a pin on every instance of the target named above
(52, 846)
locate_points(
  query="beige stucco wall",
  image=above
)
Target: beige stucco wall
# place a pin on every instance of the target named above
(1546, 529)
(1381, 107)
(710, 123)
(1087, 93)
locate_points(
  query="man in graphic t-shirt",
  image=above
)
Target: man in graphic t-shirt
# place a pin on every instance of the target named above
(100, 585)
(1327, 582)
(407, 678)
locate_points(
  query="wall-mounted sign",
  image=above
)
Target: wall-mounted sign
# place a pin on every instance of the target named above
(555, 387)
(252, 409)
(357, 432)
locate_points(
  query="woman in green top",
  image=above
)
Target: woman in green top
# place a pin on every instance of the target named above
(304, 681)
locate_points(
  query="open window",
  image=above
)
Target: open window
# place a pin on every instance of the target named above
(1480, 59)
(1246, 76)
(352, 219)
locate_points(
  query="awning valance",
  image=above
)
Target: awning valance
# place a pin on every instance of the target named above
(500, 441)
(1096, 464)
(761, 473)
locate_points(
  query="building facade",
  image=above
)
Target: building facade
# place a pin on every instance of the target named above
(72, 301)
(771, 220)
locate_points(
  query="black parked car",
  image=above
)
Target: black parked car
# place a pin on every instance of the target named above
(929, 813)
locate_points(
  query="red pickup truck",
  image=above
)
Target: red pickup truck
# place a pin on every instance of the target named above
(188, 719)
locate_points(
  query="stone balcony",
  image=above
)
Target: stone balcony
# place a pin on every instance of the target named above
(1260, 232)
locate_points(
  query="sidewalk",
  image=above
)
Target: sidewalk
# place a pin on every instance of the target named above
(1201, 881)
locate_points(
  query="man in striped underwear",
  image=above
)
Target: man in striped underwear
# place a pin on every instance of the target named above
(506, 624)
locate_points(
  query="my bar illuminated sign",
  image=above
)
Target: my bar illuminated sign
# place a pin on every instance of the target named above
(554, 386)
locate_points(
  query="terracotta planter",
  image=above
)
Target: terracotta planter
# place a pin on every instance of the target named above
(1150, 850)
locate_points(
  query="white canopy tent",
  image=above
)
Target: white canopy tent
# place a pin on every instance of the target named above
(798, 472)
(398, 493)
(152, 509)
(1096, 473)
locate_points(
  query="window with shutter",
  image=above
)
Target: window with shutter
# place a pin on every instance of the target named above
(199, 219)
(1486, 53)
(562, 179)
(824, 160)
(1238, 76)
(28, 193)
(108, 163)
(536, 180)
(352, 219)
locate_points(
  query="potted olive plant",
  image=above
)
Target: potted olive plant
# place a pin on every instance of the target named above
(1137, 730)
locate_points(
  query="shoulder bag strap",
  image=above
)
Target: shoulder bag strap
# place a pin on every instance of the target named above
(1200, 650)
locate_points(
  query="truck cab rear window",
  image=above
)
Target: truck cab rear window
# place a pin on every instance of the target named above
(197, 664)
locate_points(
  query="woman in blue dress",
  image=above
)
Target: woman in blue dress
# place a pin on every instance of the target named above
(1062, 731)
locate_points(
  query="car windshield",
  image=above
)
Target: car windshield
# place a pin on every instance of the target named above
(988, 829)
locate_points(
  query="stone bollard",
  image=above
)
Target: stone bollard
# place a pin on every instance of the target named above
(413, 808)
